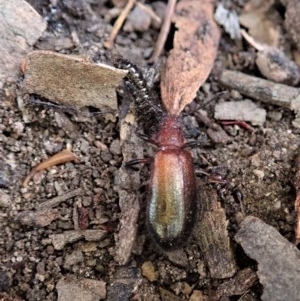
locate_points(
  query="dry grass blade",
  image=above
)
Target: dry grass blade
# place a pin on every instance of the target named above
(63, 156)
(164, 31)
(118, 24)
(191, 59)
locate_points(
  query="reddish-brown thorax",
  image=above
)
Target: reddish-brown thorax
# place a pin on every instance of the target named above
(170, 134)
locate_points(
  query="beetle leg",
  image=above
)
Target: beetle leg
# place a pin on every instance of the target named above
(134, 162)
(192, 144)
(146, 138)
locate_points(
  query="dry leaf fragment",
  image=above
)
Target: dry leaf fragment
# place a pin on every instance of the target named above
(71, 80)
(62, 157)
(191, 59)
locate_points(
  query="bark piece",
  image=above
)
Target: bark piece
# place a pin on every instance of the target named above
(238, 285)
(191, 59)
(40, 218)
(71, 81)
(59, 199)
(278, 259)
(212, 236)
(262, 90)
(127, 182)
(60, 240)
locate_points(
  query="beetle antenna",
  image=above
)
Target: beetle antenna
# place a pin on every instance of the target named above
(212, 99)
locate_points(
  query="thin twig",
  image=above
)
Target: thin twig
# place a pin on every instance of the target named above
(164, 30)
(60, 199)
(261, 89)
(118, 24)
(150, 12)
(252, 42)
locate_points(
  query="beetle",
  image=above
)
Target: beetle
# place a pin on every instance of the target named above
(172, 201)
(172, 204)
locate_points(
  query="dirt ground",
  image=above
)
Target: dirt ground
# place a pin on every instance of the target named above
(260, 163)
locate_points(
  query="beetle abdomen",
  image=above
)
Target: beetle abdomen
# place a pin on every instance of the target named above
(172, 205)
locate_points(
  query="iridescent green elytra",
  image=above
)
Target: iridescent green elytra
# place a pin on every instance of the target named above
(172, 204)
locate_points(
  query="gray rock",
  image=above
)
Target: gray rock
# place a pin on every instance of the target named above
(278, 259)
(245, 110)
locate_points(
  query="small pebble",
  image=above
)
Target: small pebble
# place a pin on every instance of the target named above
(71, 289)
(5, 199)
(197, 296)
(71, 259)
(115, 148)
(5, 281)
(106, 156)
(259, 173)
(277, 204)
(40, 277)
(18, 129)
(275, 115)
(138, 20)
(276, 66)
(245, 110)
(100, 145)
(148, 271)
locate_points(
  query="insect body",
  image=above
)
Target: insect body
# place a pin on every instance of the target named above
(172, 203)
